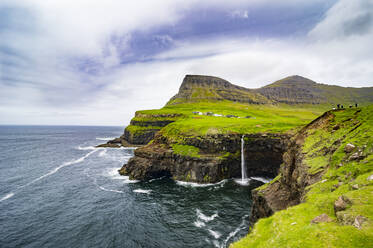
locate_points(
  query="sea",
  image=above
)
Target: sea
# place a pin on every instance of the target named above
(58, 190)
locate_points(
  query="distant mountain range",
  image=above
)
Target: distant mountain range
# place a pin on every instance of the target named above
(290, 90)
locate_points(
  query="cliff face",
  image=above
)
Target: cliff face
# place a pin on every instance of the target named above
(288, 188)
(218, 158)
(324, 187)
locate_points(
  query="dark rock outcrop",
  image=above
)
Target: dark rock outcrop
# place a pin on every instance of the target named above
(219, 158)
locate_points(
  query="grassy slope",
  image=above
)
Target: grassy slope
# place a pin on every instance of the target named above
(291, 227)
(263, 118)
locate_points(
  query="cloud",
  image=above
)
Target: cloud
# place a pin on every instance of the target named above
(344, 19)
(96, 63)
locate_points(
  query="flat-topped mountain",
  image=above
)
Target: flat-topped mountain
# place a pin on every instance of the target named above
(198, 87)
(290, 90)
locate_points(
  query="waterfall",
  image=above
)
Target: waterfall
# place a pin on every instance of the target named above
(243, 167)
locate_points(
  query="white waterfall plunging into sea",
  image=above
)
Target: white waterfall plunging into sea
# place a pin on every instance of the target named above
(243, 167)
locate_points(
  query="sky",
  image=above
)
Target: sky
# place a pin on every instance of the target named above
(88, 62)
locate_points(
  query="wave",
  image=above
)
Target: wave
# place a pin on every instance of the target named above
(142, 191)
(110, 190)
(84, 148)
(102, 153)
(262, 179)
(190, 184)
(76, 161)
(233, 233)
(205, 218)
(105, 138)
(7, 196)
(156, 179)
(114, 174)
(99, 186)
(215, 234)
(199, 223)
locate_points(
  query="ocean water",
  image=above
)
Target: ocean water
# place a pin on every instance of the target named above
(57, 190)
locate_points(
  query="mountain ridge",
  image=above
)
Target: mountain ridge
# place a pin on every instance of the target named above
(289, 90)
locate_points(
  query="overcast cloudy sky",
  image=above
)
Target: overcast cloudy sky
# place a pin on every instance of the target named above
(86, 62)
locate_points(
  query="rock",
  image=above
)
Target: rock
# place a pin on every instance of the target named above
(341, 203)
(336, 127)
(359, 220)
(354, 156)
(111, 145)
(370, 178)
(355, 186)
(321, 218)
(349, 148)
(345, 218)
(336, 186)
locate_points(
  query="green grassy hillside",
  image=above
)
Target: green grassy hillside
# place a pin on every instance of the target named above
(346, 174)
(250, 118)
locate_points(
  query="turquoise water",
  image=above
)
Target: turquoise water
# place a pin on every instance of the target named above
(57, 190)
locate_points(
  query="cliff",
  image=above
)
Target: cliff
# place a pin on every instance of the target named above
(207, 159)
(324, 187)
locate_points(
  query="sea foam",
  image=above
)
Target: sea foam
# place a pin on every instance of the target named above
(190, 184)
(142, 191)
(7, 196)
(205, 218)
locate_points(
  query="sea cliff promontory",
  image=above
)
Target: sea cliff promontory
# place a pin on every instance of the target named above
(315, 140)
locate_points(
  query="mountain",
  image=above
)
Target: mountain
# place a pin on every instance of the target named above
(290, 90)
(197, 87)
(300, 90)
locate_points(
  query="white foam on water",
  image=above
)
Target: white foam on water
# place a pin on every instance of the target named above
(84, 148)
(102, 153)
(142, 191)
(7, 196)
(216, 243)
(262, 179)
(76, 161)
(110, 190)
(205, 218)
(190, 184)
(99, 186)
(233, 233)
(114, 174)
(243, 182)
(199, 223)
(215, 234)
(156, 179)
(105, 138)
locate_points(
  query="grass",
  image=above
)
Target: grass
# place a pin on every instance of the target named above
(292, 227)
(185, 150)
(138, 130)
(262, 118)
